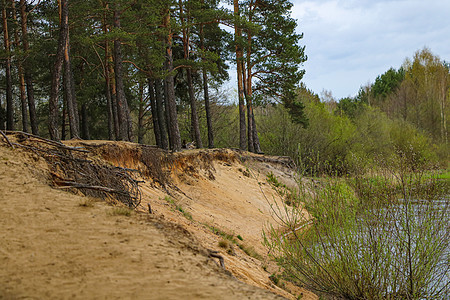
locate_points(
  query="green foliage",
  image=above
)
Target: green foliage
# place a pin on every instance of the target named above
(351, 107)
(376, 189)
(221, 232)
(275, 278)
(249, 250)
(416, 93)
(324, 146)
(404, 110)
(387, 83)
(413, 145)
(345, 140)
(360, 246)
(273, 52)
(272, 179)
(288, 194)
(444, 175)
(342, 199)
(296, 110)
(230, 238)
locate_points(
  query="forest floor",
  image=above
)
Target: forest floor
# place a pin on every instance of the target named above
(56, 244)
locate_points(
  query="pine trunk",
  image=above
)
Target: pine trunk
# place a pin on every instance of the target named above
(63, 121)
(9, 95)
(155, 119)
(195, 126)
(69, 89)
(194, 114)
(141, 113)
(255, 145)
(27, 69)
(122, 107)
(113, 124)
(130, 123)
(112, 134)
(174, 131)
(23, 96)
(112, 89)
(208, 111)
(206, 94)
(239, 57)
(248, 99)
(256, 142)
(166, 112)
(109, 100)
(161, 114)
(85, 123)
(56, 74)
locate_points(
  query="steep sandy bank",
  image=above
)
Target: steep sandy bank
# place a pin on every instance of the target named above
(54, 246)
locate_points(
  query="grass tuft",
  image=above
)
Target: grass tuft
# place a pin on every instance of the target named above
(121, 211)
(179, 208)
(86, 202)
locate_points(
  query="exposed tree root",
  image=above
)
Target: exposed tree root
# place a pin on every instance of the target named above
(71, 167)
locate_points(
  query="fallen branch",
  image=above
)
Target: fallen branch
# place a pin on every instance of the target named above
(72, 184)
(6, 138)
(212, 253)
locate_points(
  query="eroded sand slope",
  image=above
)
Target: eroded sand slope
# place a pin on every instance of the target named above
(54, 246)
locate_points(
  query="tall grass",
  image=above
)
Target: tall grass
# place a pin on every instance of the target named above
(383, 237)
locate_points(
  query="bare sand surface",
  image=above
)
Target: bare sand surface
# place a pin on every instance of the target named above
(57, 245)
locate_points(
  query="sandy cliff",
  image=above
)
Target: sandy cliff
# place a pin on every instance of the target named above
(58, 243)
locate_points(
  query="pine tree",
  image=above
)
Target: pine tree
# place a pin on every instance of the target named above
(9, 84)
(23, 96)
(69, 88)
(186, 28)
(122, 105)
(171, 107)
(57, 68)
(27, 68)
(272, 58)
(239, 69)
(212, 41)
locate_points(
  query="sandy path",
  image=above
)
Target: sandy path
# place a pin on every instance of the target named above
(51, 247)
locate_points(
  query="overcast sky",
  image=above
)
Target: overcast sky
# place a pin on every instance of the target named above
(350, 42)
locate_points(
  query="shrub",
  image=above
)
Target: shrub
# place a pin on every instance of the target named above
(411, 144)
(396, 249)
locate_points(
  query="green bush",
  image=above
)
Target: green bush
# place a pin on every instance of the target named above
(396, 249)
(410, 143)
(334, 144)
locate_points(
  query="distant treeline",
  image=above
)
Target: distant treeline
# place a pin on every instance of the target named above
(404, 111)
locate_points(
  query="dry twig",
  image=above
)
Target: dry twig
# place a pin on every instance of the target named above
(6, 138)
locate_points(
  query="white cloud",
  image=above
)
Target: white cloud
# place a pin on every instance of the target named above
(349, 43)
